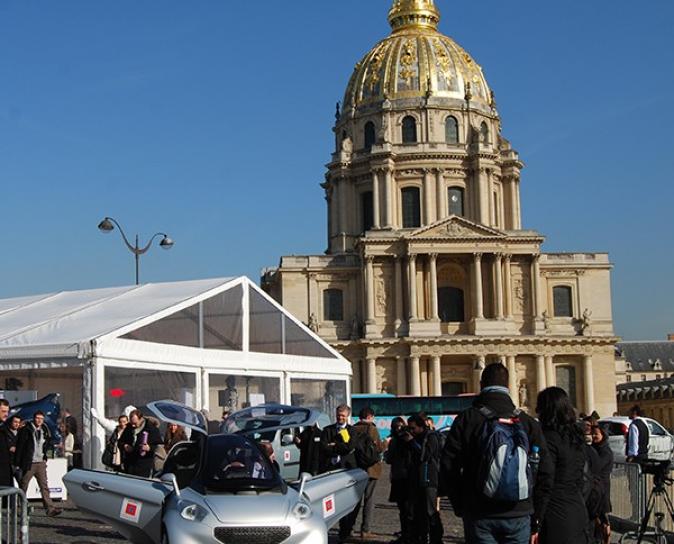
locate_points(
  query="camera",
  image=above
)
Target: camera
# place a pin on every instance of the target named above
(658, 469)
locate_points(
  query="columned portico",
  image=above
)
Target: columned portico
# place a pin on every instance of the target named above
(415, 376)
(550, 378)
(540, 373)
(371, 375)
(436, 372)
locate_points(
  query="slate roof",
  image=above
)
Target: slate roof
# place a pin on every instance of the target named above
(642, 356)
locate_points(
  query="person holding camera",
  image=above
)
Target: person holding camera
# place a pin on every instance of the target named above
(637, 437)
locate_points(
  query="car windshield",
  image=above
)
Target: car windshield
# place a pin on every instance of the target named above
(267, 416)
(235, 463)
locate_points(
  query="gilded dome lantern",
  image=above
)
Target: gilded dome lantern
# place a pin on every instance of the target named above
(417, 61)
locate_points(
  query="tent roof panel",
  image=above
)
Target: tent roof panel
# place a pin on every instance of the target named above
(72, 317)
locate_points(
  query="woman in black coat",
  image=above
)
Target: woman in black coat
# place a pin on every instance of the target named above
(564, 515)
(605, 468)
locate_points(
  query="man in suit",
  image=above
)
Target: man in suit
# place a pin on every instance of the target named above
(337, 453)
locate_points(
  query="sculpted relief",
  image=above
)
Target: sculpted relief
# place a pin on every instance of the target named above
(383, 292)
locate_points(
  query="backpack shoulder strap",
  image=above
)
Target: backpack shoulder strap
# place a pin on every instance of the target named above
(488, 413)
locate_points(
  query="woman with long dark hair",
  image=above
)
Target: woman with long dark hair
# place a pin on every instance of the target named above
(600, 444)
(564, 517)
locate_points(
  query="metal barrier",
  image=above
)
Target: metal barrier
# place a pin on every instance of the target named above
(13, 516)
(630, 490)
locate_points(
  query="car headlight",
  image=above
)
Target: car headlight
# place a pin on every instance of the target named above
(191, 512)
(302, 510)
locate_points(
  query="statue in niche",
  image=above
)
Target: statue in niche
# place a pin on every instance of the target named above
(381, 296)
(347, 145)
(546, 320)
(313, 323)
(383, 131)
(524, 394)
(585, 322)
(355, 328)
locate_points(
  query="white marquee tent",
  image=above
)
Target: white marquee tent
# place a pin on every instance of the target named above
(213, 344)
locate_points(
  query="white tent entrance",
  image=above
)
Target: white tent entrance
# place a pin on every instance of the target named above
(213, 344)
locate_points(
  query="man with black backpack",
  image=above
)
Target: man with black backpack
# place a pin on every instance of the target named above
(495, 466)
(368, 449)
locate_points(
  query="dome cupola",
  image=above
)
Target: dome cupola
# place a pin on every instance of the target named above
(417, 61)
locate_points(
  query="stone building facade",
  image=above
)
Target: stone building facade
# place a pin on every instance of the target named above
(429, 273)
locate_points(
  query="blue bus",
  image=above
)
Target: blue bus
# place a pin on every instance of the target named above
(443, 410)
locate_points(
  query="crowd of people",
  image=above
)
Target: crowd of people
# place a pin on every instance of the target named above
(25, 447)
(510, 477)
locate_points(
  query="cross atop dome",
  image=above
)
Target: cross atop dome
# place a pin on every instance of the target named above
(405, 14)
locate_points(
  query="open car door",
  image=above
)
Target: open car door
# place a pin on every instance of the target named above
(335, 494)
(132, 506)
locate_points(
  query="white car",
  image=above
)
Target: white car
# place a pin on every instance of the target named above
(660, 442)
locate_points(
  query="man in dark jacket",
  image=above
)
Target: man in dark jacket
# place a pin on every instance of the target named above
(139, 442)
(399, 456)
(6, 470)
(32, 445)
(309, 444)
(424, 480)
(485, 519)
(338, 452)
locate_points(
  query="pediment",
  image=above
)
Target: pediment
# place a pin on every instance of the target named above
(455, 227)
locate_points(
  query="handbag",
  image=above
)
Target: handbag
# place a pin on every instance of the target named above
(108, 456)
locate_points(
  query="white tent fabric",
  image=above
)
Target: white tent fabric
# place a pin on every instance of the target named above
(71, 318)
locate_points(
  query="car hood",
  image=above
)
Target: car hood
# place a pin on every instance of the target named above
(242, 509)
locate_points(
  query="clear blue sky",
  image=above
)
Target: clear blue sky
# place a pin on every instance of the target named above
(212, 120)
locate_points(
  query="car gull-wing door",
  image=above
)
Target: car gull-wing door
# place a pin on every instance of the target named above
(334, 495)
(170, 411)
(132, 506)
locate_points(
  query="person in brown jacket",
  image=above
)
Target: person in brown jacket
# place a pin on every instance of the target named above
(366, 425)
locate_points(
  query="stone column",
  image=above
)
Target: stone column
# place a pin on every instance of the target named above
(498, 284)
(369, 286)
(518, 211)
(512, 378)
(535, 286)
(436, 370)
(371, 376)
(478, 312)
(508, 286)
(399, 290)
(388, 198)
(589, 384)
(478, 367)
(412, 276)
(550, 378)
(441, 195)
(402, 376)
(429, 212)
(343, 199)
(356, 379)
(375, 200)
(415, 376)
(540, 373)
(433, 259)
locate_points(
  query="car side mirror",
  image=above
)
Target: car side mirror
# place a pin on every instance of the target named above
(304, 478)
(287, 440)
(170, 478)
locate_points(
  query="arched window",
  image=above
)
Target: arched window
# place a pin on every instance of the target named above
(409, 130)
(451, 305)
(455, 201)
(333, 305)
(562, 300)
(451, 130)
(411, 202)
(367, 209)
(484, 133)
(369, 135)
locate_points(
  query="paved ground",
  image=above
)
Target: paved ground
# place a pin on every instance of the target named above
(72, 527)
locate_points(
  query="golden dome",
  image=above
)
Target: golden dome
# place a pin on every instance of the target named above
(417, 61)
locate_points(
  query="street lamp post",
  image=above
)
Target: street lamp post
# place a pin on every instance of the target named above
(108, 225)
